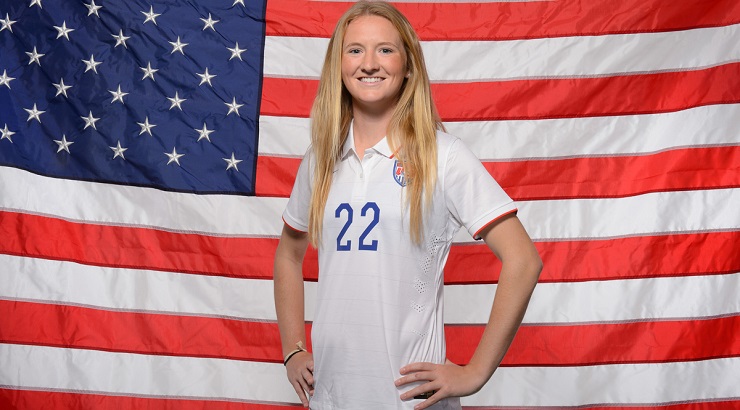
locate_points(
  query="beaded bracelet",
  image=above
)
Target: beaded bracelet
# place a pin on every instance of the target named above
(299, 348)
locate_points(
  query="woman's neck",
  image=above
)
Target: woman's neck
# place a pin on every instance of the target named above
(369, 129)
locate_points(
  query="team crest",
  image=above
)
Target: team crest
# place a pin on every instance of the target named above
(398, 174)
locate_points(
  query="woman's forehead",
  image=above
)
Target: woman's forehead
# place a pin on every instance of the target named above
(372, 28)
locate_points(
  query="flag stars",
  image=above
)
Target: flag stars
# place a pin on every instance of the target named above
(34, 57)
(5, 79)
(209, 23)
(204, 133)
(90, 121)
(62, 88)
(35, 3)
(151, 16)
(177, 46)
(232, 162)
(7, 23)
(91, 64)
(148, 71)
(120, 39)
(176, 101)
(63, 144)
(92, 8)
(174, 157)
(117, 95)
(236, 52)
(205, 77)
(118, 151)
(233, 107)
(146, 126)
(238, 2)
(34, 114)
(7, 134)
(63, 30)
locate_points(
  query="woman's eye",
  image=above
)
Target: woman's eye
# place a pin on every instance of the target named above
(386, 50)
(353, 51)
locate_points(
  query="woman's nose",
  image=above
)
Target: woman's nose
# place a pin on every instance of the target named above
(370, 62)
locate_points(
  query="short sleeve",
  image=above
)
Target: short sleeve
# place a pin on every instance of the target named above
(473, 197)
(295, 214)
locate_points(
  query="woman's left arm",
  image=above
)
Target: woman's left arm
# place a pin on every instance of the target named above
(521, 268)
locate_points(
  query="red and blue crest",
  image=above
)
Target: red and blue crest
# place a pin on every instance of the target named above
(398, 173)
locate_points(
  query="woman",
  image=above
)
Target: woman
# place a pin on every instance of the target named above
(380, 193)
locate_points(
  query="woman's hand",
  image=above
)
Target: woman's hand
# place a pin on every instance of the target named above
(300, 375)
(446, 380)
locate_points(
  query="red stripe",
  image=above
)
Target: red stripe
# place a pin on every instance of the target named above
(541, 345)
(588, 177)
(609, 259)
(33, 400)
(649, 256)
(582, 345)
(517, 20)
(545, 98)
(715, 404)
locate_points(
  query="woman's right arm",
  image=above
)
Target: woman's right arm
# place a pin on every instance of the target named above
(288, 282)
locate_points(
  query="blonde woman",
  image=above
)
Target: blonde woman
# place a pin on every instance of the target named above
(381, 192)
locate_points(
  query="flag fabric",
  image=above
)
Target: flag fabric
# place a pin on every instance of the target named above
(148, 148)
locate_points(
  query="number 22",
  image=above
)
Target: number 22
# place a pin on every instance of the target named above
(347, 245)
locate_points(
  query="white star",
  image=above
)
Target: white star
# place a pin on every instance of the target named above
(120, 39)
(5, 79)
(92, 64)
(174, 157)
(232, 162)
(36, 3)
(61, 88)
(238, 2)
(93, 9)
(63, 144)
(151, 16)
(63, 30)
(204, 133)
(176, 101)
(7, 23)
(145, 126)
(209, 22)
(6, 133)
(234, 107)
(177, 46)
(90, 121)
(34, 114)
(205, 78)
(35, 57)
(117, 95)
(236, 52)
(148, 71)
(118, 151)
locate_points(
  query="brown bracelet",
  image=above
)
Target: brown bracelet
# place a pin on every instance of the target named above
(299, 348)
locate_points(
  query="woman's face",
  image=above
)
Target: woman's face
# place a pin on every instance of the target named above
(373, 63)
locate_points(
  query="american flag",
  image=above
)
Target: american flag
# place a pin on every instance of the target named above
(147, 149)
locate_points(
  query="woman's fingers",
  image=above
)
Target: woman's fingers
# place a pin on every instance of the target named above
(300, 392)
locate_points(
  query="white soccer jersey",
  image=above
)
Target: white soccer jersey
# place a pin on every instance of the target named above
(379, 303)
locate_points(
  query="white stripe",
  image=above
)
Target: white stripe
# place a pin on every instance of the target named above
(136, 206)
(711, 125)
(606, 301)
(618, 384)
(184, 294)
(182, 377)
(535, 58)
(256, 216)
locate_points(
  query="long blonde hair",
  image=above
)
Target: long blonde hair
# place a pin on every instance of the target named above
(412, 129)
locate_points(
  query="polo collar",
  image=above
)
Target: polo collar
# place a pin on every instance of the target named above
(349, 145)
